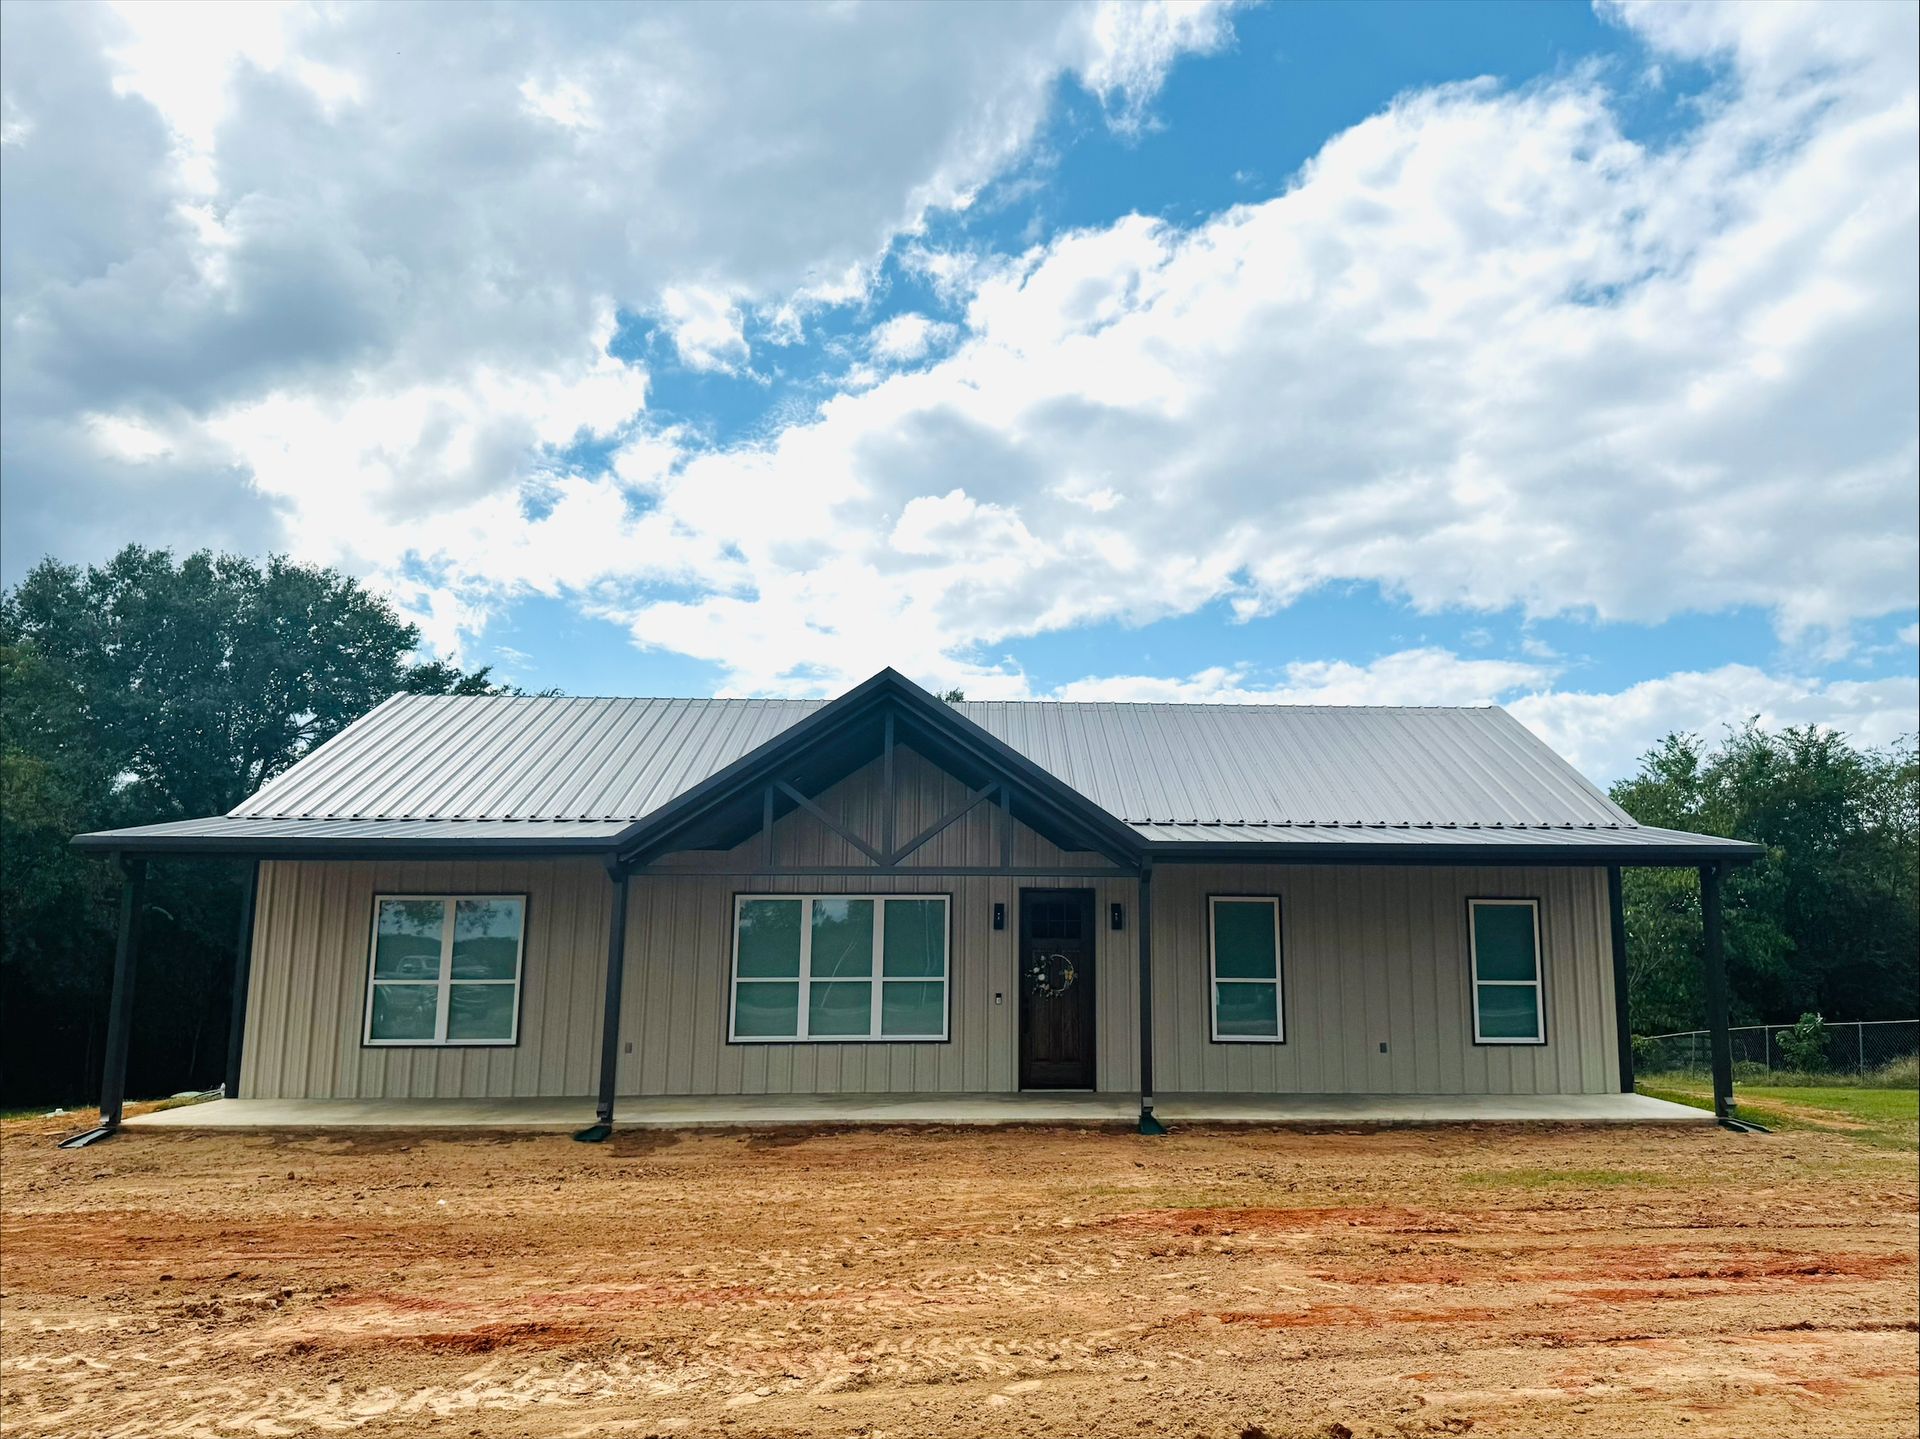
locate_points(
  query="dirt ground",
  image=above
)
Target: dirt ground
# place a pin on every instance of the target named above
(1487, 1280)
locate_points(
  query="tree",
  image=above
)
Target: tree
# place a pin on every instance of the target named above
(1827, 920)
(149, 689)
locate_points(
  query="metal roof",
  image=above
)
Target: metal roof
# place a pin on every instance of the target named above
(561, 771)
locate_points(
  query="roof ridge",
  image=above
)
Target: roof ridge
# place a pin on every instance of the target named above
(1054, 703)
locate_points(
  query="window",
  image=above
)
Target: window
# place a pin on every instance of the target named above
(839, 968)
(1505, 943)
(445, 969)
(1244, 945)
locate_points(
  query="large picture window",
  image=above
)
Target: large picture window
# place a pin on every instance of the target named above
(839, 968)
(1504, 936)
(445, 969)
(1243, 944)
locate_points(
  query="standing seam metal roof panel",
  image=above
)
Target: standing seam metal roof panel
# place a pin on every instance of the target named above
(545, 759)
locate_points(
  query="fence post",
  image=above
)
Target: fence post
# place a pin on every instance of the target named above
(1860, 1042)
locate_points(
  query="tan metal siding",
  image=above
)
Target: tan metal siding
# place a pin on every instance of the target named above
(306, 1004)
(1378, 953)
(1370, 954)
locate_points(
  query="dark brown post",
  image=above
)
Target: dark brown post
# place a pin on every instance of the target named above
(242, 978)
(610, 1023)
(126, 960)
(1143, 917)
(1715, 958)
(1617, 916)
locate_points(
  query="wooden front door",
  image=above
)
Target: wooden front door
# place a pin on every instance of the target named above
(1056, 989)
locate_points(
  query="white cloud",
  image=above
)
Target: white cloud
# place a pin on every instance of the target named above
(1428, 676)
(902, 338)
(1605, 734)
(221, 217)
(707, 328)
(1486, 352)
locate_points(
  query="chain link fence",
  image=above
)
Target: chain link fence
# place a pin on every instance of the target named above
(1854, 1047)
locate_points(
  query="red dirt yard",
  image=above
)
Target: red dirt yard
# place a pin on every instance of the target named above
(1485, 1281)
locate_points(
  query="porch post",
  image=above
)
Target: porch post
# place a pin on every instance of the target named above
(1617, 917)
(1715, 959)
(126, 959)
(1144, 918)
(242, 979)
(610, 1022)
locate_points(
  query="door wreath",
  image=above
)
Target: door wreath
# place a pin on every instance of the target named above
(1051, 975)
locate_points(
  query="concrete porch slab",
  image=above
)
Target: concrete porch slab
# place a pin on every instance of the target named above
(1424, 1109)
(689, 1111)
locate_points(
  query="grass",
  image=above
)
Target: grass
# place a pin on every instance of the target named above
(1562, 1178)
(1885, 1117)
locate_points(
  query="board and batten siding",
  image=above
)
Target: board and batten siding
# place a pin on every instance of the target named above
(1369, 955)
(1374, 955)
(306, 1006)
(680, 952)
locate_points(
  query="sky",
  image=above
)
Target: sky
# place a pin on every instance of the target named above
(1550, 356)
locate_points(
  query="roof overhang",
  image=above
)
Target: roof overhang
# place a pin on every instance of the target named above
(1517, 854)
(354, 839)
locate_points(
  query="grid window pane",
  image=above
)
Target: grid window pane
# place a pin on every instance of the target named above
(913, 1007)
(916, 939)
(404, 1011)
(1509, 1011)
(1246, 1011)
(486, 938)
(766, 1011)
(840, 1009)
(406, 942)
(770, 938)
(1243, 940)
(1503, 942)
(842, 939)
(480, 1011)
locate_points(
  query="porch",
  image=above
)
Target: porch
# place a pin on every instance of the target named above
(754, 1111)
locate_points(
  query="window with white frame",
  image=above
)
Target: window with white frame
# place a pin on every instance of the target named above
(1243, 945)
(445, 969)
(1504, 937)
(839, 968)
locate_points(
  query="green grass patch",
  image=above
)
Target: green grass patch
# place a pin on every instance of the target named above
(1562, 1178)
(1889, 1118)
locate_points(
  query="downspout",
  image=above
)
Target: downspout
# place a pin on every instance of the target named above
(602, 1127)
(1148, 1123)
(126, 961)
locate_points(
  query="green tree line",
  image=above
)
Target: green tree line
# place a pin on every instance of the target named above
(146, 689)
(1828, 920)
(152, 688)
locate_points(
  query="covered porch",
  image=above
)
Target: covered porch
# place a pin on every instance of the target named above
(1055, 1107)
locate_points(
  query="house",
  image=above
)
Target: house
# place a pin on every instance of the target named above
(886, 893)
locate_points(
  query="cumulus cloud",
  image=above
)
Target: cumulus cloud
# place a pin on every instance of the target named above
(1425, 676)
(216, 216)
(1602, 733)
(901, 338)
(1486, 352)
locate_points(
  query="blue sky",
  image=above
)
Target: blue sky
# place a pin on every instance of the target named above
(1393, 353)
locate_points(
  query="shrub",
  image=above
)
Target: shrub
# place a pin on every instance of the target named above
(1804, 1046)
